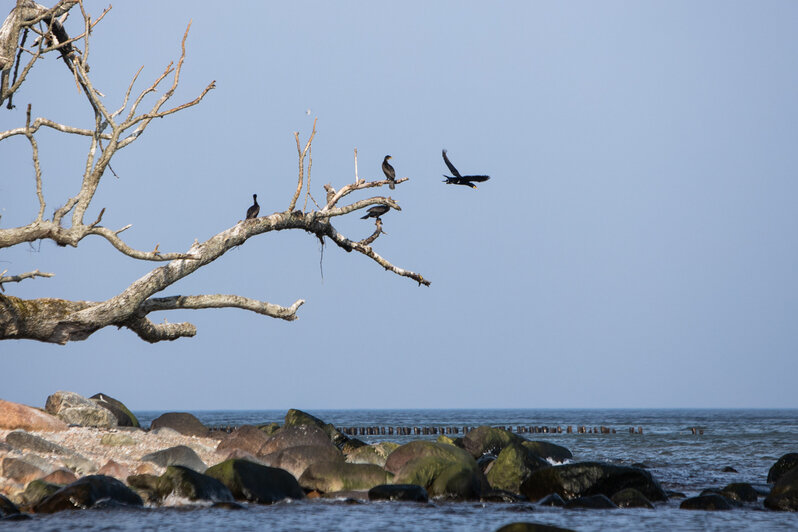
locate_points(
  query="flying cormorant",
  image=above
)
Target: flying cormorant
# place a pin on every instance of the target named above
(376, 211)
(254, 209)
(389, 172)
(461, 179)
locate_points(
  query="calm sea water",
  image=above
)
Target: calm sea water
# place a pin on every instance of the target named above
(749, 441)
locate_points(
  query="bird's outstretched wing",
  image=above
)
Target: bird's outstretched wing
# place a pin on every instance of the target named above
(452, 169)
(477, 178)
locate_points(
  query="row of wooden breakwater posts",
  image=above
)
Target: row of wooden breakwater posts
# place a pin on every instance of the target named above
(418, 431)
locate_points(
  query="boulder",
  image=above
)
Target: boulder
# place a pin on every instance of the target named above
(740, 492)
(187, 483)
(23, 470)
(256, 483)
(269, 428)
(17, 416)
(116, 439)
(247, 438)
(124, 417)
(706, 502)
(459, 481)
(443, 470)
(341, 476)
(38, 490)
(532, 527)
(79, 464)
(296, 460)
(294, 436)
(491, 495)
(422, 448)
(631, 498)
(548, 451)
(21, 440)
(590, 478)
(114, 469)
(146, 486)
(372, 454)
(86, 492)
(552, 500)
(7, 507)
(75, 409)
(513, 465)
(297, 418)
(782, 465)
(183, 422)
(784, 495)
(60, 476)
(592, 502)
(398, 492)
(178, 455)
(488, 440)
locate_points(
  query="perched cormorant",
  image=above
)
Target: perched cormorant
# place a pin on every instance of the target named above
(254, 209)
(376, 211)
(461, 179)
(389, 172)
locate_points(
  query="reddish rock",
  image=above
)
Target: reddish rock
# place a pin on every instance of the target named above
(61, 476)
(246, 438)
(114, 469)
(16, 416)
(145, 469)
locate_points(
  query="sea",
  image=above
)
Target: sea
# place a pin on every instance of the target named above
(686, 450)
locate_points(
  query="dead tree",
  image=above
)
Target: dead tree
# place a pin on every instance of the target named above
(60, 321)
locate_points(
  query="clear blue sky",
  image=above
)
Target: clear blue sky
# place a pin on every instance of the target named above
(635, 247)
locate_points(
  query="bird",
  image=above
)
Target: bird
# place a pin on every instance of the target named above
(376, 211)
(254, 209)
(389, 172)
(461, 179)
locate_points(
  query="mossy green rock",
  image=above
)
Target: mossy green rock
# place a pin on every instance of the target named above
(295, 418)
(340, 476)
(548, 451)
(146, 486)
(123, 415)
(185, 482)
(269, 428)
(115, 439)
(488, 440)
(38, 490)
(458, 481)
(513, 465)
(421, 448)
(372, 454)
(443, 470)
(255, 482)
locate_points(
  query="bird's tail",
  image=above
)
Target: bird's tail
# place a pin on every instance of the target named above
(364, 217)
(391, 185)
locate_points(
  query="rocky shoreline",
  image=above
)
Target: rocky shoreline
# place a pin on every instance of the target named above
(82, 452)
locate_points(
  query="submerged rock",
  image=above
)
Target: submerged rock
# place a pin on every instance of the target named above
(631, 498)
(398, 492)
(124, 417)
(590, 478)
(183, 422)
(86, 492)
(712, 501)
(256, 483)
(740, 492)
(784, 495)
(548, 451)
(592, 502)
(783, 465)
(532, 527)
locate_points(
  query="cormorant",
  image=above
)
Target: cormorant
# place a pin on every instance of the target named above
(461, 179)
(376, 211)
(254, 209)
(389, 172)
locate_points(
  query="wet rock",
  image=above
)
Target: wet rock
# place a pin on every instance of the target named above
(341, 476)
(784, 495)
(297, 418)
(296, 460)
(631, 498)
(485, 462)
(75, 409)
(532, 527)
(423, 448)
(21, 440)
(179, 455)
(492, 495)
(17, 416)
(7, 507)
(398, 492)
(22, 470)
(552, 499)
(294, 436)
(729, 469)
(740, 492)
(256, 483)
(146, 486)
(183, 422)
(38, 490)
(513, 465)
(444, 470)
(185, 482)
(60, 476)
(706, 502)
(229, 506)
(247, 438)
(86, 492)
(590, 478)
(115, 439)
(548, 451)
(782, 466)
(124, 417)
(592, 502)
(488, 440)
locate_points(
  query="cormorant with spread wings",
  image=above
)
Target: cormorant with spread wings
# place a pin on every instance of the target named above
(458, 179)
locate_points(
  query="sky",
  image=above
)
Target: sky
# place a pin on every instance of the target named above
(635, 246)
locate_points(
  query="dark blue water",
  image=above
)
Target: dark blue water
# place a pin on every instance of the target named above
(749, 441)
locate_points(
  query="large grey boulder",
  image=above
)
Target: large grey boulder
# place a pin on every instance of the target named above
(183, 422)
(340, 476)
(296, 460)
(75, 409)
(180, 455)
(294, 436)
(21, 440)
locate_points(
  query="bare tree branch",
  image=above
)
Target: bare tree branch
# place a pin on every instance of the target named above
(17, 278)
